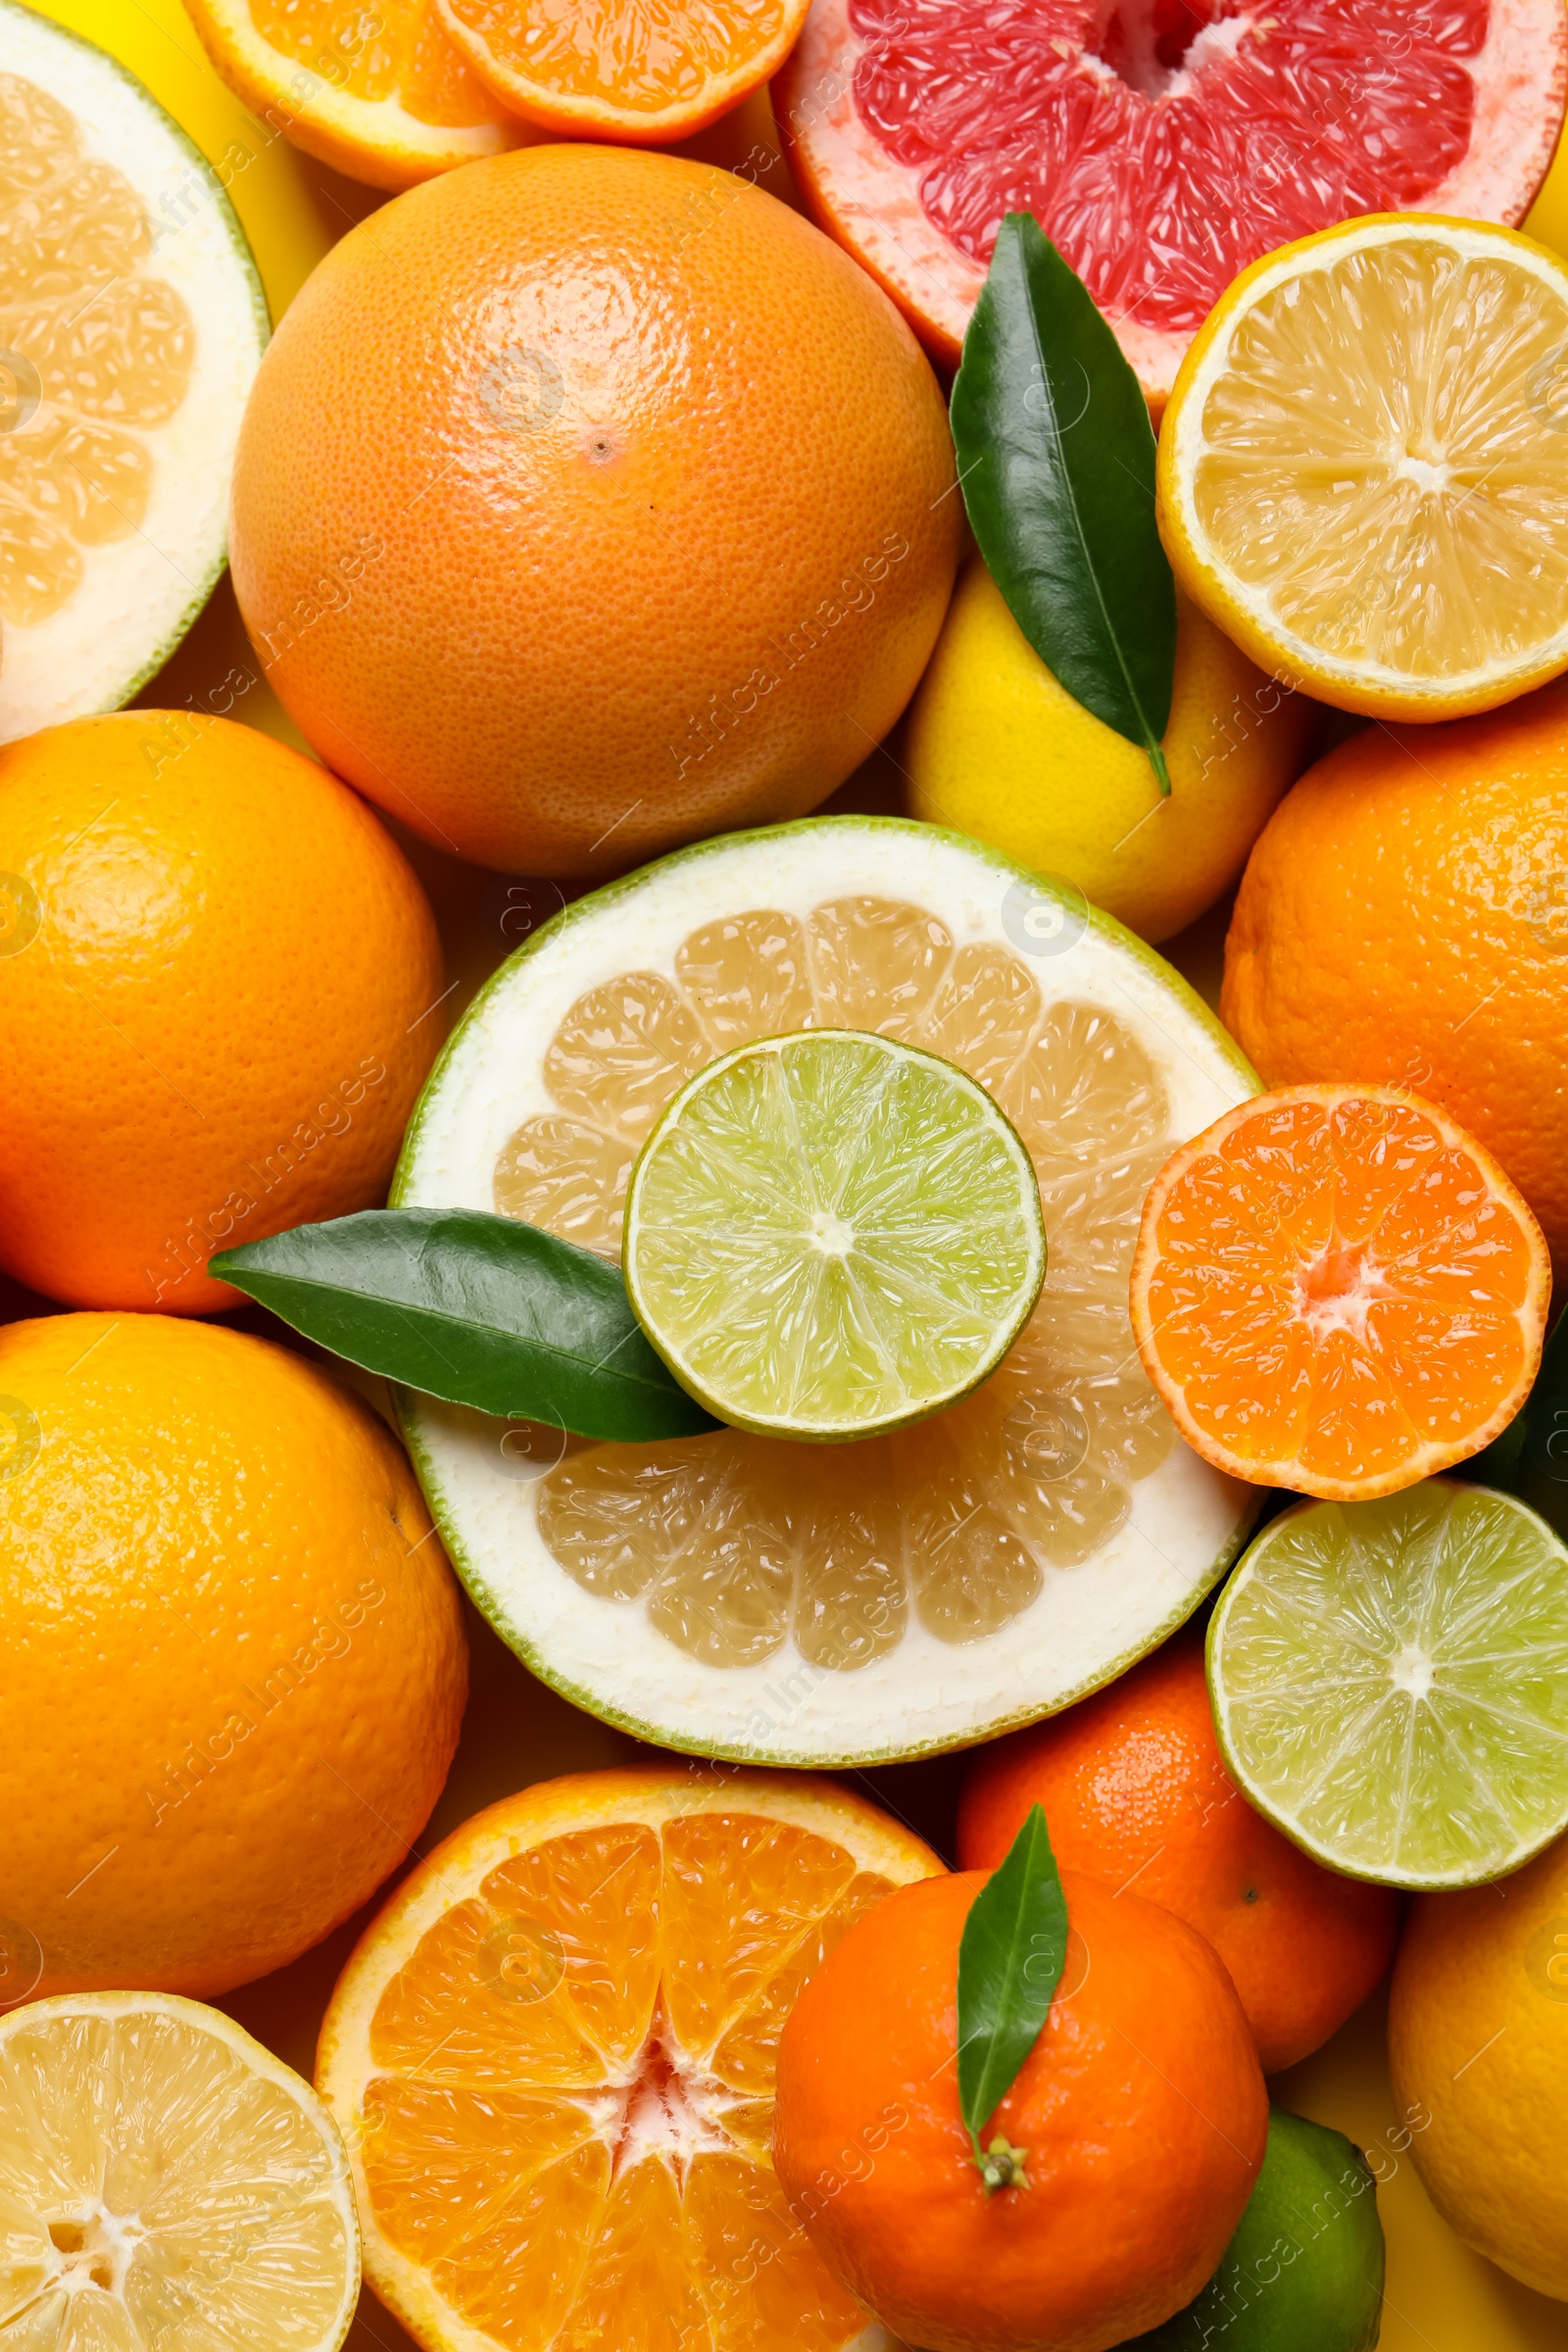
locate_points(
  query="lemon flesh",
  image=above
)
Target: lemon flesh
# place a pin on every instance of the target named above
(1364, 474)
(167, 2183)
(1389, 1682)
(832, 1234)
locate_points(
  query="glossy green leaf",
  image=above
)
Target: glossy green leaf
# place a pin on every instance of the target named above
(476, 1309)
(1057, 457)
(1010, 1959)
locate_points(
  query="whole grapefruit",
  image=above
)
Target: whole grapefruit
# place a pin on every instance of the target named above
(1403, 920)
(235, 1663)
(218, 973)
(590, 501)
(1139, 2114)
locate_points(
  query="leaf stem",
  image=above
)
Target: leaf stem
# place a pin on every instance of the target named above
(1157, 760)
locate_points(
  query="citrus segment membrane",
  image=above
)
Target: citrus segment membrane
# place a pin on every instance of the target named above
(832, 1234)
(1338, 1290)
(1389, 1683)
(1163, 146)
(131, 327)
(650, 73)
(652, 1575)
(165, 2183)
(556, 2069)
(1367, 467)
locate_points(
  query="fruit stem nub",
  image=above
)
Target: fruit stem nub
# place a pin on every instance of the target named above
(1002, 2166)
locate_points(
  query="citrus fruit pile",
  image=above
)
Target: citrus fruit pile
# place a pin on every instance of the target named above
(589, 1091)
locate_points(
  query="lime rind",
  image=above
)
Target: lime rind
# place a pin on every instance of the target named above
(832, 1234)
(1389, 1683)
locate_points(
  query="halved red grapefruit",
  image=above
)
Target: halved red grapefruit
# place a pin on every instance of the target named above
(1163, 144)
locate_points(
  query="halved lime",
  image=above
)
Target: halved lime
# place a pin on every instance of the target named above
(830, 1234)
(1389, 1683)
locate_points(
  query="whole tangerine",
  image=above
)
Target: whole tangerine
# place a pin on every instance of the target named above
(218, 973)
(1137, 1794)
(588, 501)
(1139, 2116)
(236, 1664)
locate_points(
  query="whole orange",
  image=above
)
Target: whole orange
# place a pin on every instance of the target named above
(591, 499)
(235, 1663)
(1404, 917)
(1142, 2109)
(217, 975)
(1137, 1794)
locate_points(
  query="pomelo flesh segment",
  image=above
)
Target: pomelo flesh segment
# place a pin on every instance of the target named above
(1163, 144)
(724, 1540)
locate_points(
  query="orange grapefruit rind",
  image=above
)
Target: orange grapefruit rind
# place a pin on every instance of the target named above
(1338, 1291)
(605, 75)
(551, 2058)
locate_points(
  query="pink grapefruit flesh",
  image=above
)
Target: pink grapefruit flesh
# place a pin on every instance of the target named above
(1163, 144)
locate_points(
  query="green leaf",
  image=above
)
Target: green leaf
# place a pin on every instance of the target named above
(1057, 457)
(1010, 1960)
(478, 1309)
(1532, 1452)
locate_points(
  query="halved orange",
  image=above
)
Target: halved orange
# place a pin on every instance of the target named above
(646, 74)
(1337, 1289)
(378, 93)
(552, 2059)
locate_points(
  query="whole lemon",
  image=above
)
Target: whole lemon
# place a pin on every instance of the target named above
(1478, 2040)
(589, 501)
(235, 1663)
(997, 748)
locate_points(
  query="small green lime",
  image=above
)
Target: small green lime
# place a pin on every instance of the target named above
(1304, 2271)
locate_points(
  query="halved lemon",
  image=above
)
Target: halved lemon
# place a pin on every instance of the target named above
(1338, 1290)
(378, 92)
(643, 74)
(1363, 468)
(552, 2056)
(832, 1234)
(1389, 1683)
(165, 2184)
(131, 324)
(745, 1595)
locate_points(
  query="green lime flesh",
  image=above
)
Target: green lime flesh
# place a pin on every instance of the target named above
(831, 1233)
(1389, 1683)
(1304, 2271)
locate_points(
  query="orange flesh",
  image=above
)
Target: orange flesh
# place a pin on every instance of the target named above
(642, 62)
(570, 2124)
(1342, 1288)
(397, 52)
(959, 1520)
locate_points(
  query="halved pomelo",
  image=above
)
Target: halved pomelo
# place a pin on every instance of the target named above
(378, 92)
(1163, 144)
(165, 2184)
(754, 1598)
(131, 321)
(552, 2056)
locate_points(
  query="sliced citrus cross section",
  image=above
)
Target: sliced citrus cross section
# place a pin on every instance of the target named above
(648, 74)
(1362, 474)
(168, 2184)
(1338, 1290)
(1389, 1683)
(738, 1594)
(553, 2055)
(832, 1234)
(131, 324)
(380, 93)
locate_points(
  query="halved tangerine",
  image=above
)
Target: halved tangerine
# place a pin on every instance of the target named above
(646, 74)
(1337, 1289)
(552, 2057)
